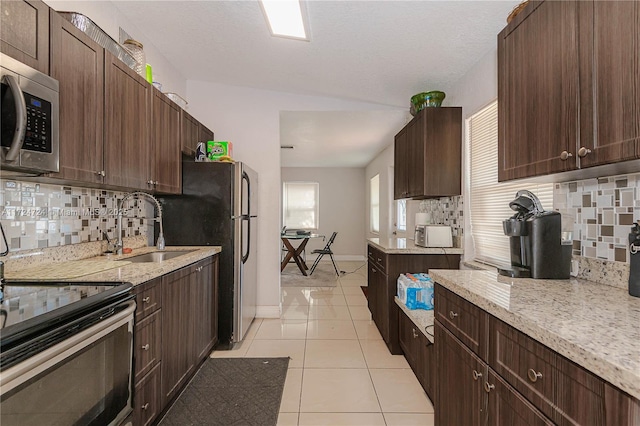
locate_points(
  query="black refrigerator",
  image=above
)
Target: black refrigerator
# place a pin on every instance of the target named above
(218, 207)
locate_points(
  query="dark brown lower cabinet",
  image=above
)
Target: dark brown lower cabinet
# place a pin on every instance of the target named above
(383, 284)
(176, 328)
(419, 352)
(523, 381)
(460, 397)
(148, 398)
(506, 407)
(190, 300)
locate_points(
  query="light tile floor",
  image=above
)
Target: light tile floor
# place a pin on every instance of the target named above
(340, 372)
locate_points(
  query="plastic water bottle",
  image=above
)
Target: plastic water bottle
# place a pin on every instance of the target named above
(634, 260)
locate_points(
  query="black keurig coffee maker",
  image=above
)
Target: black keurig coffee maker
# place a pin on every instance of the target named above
(537, 249)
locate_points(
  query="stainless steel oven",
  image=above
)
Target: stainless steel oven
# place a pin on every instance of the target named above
(29, 104)
(66, 354)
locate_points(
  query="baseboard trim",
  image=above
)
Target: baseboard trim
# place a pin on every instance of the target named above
(268, 311)
(338, 258)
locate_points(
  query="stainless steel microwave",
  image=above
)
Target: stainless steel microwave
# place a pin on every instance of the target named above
(30, 111)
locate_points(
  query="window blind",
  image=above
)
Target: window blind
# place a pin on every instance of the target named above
(300, 205)
(375, 203)
(489, 199)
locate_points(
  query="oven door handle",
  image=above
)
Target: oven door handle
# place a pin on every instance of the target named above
(21, 118)
(24, 371)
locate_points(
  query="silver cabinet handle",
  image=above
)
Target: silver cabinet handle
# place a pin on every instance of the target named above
(452, 314)
(145, 406)
(583, 152)
(534, 375)
(488, 386)
(146, 299)
(373, 270)
(379, 260)
(146, 347)
(100, 173)
(415, 335)
(199, 269)
(564, 155)
(21, 118)
(476, 375)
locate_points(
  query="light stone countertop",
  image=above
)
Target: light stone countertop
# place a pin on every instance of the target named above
(406, 246)
(594, 325)
(422, 318)
(135, 273)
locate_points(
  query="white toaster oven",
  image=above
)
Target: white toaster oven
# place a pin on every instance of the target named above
(433, 236)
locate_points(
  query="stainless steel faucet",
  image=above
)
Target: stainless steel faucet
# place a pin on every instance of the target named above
(138, 194)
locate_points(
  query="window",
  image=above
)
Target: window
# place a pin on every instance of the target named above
(374, 201)
(401, 215)
(300, 205)
(489, 200)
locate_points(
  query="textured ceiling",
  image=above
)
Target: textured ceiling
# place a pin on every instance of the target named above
(381, 52)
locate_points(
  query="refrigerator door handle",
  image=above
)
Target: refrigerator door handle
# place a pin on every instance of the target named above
(245, 256)
(245, 177)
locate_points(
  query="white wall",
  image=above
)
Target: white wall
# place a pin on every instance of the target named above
(382, 165)
(475, 90)
(250, 118)
(109, 18)
(342, 207)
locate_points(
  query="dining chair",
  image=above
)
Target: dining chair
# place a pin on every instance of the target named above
(322, 252)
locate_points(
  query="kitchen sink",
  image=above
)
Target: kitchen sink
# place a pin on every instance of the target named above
(157, 256)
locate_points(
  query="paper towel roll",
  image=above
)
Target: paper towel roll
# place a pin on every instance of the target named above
(423, 218)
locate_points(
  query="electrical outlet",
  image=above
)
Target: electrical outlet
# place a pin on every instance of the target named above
(574, 268)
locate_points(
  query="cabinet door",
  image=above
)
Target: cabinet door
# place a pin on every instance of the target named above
(127, 125)
(442, 158)
(24, 32)
(460, 396)
(400, 166)
(204, 134)
(538, 91)
(77, 62)
(408, 337)
(190, 133)
(165, 155)
(609, 81)
(426, 365)
(620, 408)
(415, 156)
(177, 331)
(507, 407)
(372, 293)
(203, 309)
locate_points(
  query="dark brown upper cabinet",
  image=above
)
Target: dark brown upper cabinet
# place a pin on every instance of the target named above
(77, 62)
(428, 155)
(24, 32)
(164, 157)
(568, 87)
(204, 133)
(127, 126)
(609, 81)
(190, 133)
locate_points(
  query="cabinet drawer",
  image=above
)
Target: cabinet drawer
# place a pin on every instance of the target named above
(378, 258)
(562, 390)
(148, 298)
(463, 319)
(147, 348)
(147, 398)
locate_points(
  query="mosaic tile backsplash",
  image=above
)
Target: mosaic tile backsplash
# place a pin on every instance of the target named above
(446, 211)
(603, 211)
(37, 215)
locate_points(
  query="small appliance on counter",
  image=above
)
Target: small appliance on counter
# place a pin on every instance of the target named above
(535, 239)
(433, 236)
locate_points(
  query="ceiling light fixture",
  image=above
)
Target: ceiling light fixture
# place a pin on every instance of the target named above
(286, 18)
(286, 146)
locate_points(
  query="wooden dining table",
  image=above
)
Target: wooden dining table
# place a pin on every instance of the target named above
(295, 253)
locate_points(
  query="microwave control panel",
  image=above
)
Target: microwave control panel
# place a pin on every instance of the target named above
(38, 133)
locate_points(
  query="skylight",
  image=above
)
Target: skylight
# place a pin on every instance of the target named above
(285, 18)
